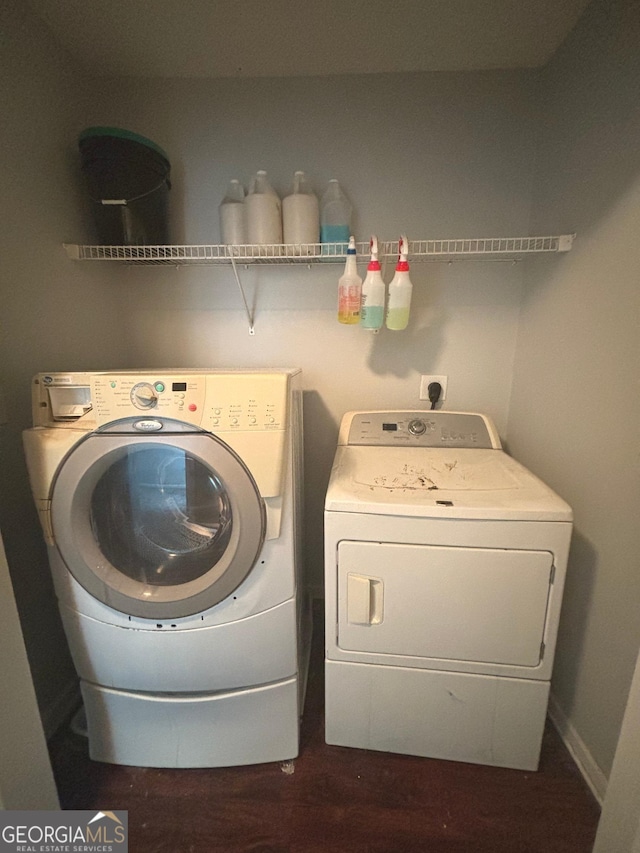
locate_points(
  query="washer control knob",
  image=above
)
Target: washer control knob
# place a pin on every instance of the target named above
(417, 427)
(144, 396)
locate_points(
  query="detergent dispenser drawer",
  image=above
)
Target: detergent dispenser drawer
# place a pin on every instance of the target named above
(443, 603)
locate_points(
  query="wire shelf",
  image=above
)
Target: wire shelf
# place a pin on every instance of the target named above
(490, 246)
(314, 253)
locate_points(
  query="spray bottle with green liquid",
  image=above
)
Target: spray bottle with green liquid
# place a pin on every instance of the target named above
(400, 289)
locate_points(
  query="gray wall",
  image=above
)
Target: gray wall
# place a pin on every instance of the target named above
(575, 407)
(54, 315)
(619, 827)
(26, 780)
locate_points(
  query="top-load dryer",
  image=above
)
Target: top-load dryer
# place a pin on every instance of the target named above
(170, 503)
(445, 563)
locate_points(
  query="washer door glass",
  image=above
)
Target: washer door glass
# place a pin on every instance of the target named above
(160, 516)
(158, 526)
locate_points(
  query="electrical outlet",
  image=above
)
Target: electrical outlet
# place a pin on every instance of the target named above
(425, 381)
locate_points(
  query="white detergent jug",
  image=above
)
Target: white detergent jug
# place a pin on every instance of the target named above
(232, 221)
(301, 215)
(263, 212)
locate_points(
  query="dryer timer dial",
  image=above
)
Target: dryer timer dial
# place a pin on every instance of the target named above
(417, 427)
(144, 396)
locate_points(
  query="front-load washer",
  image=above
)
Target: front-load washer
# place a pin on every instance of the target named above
(171, 506)
(445, 563)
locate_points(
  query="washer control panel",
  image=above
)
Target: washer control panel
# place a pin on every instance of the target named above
(216, 402)
(121, 395)
(421, 429)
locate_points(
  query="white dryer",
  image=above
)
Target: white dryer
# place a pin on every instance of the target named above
(170, 504)
(445, 563)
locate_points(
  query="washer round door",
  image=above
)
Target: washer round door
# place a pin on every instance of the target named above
(156, 525)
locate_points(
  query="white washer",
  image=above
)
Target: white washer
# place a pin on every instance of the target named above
(445, 563)
(170, 503)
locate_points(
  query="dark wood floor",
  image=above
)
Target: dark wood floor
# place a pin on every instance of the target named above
(338, 799)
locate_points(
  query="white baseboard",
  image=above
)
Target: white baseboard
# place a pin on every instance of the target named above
(592, 774)
(61, 709)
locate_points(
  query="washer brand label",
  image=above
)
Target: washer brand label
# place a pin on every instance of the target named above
(148, 425)
(64, 832)
(57, 380)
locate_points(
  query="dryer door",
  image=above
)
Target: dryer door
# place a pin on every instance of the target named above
(455, 604)
(159, 525)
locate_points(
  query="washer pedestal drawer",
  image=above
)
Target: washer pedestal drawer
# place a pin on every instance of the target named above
(249, 726)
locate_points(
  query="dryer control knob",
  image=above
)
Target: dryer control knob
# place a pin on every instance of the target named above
(417, 427)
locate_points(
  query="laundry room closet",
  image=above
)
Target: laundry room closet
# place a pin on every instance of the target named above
(548, 346)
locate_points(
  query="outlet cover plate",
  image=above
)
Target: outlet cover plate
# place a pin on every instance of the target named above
(426, 380)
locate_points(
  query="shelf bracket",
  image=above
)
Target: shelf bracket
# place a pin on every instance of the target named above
(249, 313)
(565, 242)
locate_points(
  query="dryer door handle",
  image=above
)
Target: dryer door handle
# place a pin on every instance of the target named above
(364, 599)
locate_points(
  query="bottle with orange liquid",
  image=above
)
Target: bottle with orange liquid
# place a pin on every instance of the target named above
(350, 288)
